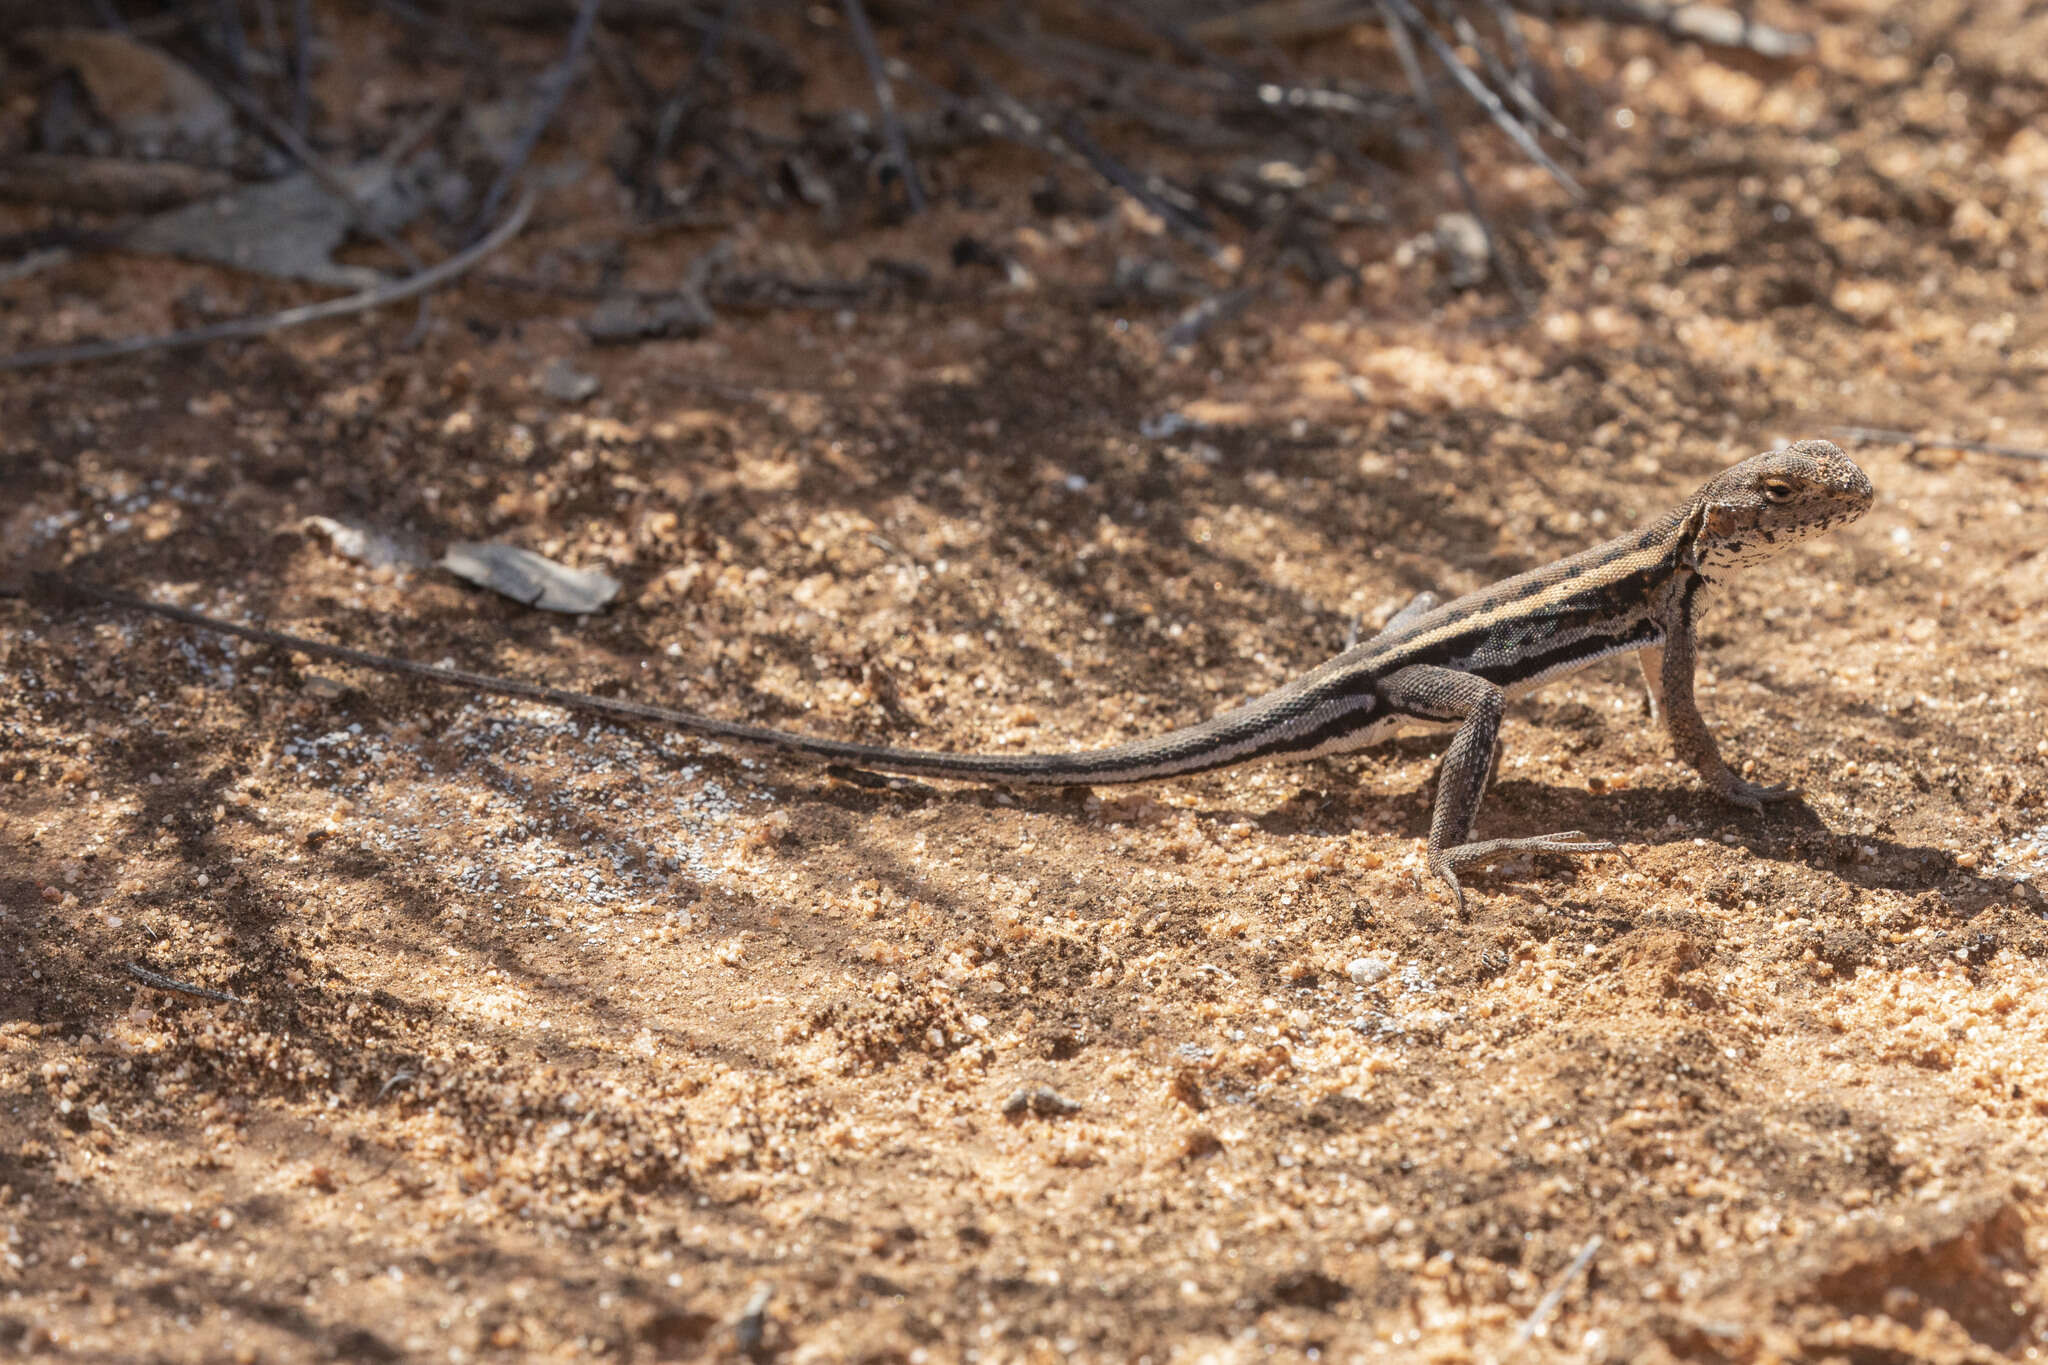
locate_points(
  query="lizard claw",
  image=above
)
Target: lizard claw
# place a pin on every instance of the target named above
(1457, 891)
(1449, 877)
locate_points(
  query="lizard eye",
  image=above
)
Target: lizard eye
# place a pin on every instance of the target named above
(1777, 490)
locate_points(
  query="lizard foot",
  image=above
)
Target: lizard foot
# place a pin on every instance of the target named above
(1447, 863)
(1753, 795)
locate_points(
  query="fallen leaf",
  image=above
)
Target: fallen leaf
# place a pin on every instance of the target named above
(527, 577)
(287, 228)
(368, 545)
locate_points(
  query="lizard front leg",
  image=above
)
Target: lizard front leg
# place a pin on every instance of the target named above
(1688, 729)
(1428, 693)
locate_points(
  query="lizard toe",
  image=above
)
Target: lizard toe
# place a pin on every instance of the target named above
(1570, 841)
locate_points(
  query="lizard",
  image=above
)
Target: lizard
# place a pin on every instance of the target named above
(1435, 664)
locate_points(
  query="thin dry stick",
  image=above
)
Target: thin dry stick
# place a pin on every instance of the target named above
(230, 30)
(159, 982)
(885, 100)
(273, 34)
(1483, 96)
(554, 88)
(1071, 141)
(1181, 41)
(624, 73)
(1510, 81)
(42, 258)
(669, 121)
(1518, 48)
(1184, 223)
(395, 292)
(331, 180)
(1418, 80)
(1703, 23)
(1540, 1319)
(1919, 442)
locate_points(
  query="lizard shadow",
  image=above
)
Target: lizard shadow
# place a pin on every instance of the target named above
(1329, 801)
(172, 777)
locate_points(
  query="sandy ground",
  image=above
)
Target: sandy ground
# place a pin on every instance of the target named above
(556, 1039)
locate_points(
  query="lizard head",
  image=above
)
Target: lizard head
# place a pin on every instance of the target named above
(1779, 498)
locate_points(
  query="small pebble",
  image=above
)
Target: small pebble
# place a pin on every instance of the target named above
(1040, 1100)
(565, 383)
(1366, 970)
(1462, 243)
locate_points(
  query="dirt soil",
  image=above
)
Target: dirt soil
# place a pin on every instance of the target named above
(554, 1039)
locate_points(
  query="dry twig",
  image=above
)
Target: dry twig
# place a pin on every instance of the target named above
(1919, 442)
(159, 982)
(554, 88)
(397, 291)
(682, 100)
(1418, 80)
(885, 101)
(1539, 1320)
(1518, 83)
(1483, 95)
(1715, 24)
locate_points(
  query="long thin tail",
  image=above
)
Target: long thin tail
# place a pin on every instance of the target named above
(1235, 737)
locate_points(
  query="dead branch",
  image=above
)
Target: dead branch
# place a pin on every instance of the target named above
(1918, 442)
(395, 292)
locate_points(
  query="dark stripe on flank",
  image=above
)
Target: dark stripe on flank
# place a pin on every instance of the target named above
(1371, 712)
(1211, 748)
(1585, 647)
(1590, 603)
(1207, 748)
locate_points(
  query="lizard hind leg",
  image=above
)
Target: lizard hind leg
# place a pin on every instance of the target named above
(1418, 606)
(1444, 694)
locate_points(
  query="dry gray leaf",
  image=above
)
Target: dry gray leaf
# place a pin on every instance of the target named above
(288, 228)
(527, 577)
(626, 317)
